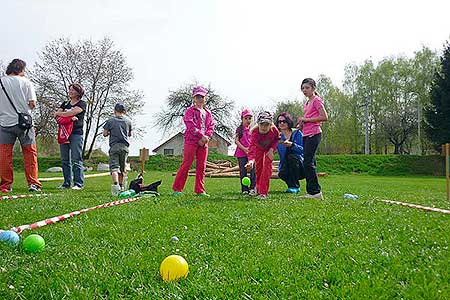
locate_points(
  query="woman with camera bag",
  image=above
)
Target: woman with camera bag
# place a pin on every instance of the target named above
(17, 99)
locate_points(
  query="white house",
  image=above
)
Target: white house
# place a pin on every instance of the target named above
(174, 145)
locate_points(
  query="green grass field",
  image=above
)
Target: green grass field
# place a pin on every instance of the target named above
(237, 247)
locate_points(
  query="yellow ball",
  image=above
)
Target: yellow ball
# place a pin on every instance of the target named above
(173, 267)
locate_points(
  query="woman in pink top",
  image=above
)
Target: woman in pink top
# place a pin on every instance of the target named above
(314, 114)
(263, 143)
(242, 140)
(199, 129)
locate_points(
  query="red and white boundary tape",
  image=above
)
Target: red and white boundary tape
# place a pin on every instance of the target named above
(22, 196)
(445, 211)
(53, 220)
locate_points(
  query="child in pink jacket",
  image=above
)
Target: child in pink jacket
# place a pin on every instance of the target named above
(263, 142)
(199, 129)
(242, 140)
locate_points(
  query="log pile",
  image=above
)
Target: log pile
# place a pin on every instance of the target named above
(225, 169)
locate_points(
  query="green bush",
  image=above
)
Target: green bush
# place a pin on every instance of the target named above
(48, 162)
(388, 165)
(172, 163)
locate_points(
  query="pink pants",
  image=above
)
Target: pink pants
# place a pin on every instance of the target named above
(263, 167)
(190, 152)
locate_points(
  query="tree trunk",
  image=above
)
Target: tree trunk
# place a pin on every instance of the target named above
(396, 148)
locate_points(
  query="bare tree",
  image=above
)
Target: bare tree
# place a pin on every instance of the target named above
(2, 68)
(100, 68)
(170, 119)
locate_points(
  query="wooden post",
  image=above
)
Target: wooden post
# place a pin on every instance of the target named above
(143, 153)
(447, 179)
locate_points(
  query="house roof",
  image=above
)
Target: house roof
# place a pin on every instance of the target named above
(168, 140)
(226, 140)
(181, 133)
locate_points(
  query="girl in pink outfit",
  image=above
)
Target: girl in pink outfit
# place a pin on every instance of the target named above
(242, 140)
(263, 142)
(314, 114)
(199, 129)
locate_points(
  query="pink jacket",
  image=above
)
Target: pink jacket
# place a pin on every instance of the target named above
(193, 120)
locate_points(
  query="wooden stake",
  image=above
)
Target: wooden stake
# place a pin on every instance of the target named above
(143, 154)
(85, 176)
(445, 211)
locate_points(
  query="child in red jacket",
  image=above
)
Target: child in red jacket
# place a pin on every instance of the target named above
(263, 142)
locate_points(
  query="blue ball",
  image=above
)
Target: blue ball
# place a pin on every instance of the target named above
(9, 237)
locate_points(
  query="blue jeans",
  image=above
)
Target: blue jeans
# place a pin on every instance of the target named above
(72, 153)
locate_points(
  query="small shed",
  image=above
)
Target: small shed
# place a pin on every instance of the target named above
(174, 145)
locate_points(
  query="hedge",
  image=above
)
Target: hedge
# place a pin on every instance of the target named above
(389, 165)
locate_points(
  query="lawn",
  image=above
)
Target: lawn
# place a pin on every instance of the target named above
(237, 247)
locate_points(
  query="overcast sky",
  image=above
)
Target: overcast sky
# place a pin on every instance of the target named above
(251, 51)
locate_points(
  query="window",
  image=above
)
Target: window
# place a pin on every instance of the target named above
(168, 151)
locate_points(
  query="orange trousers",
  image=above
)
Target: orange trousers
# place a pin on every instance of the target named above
(29, 162)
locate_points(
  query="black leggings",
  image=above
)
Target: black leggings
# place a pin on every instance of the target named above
(310, 145)
(292, 171)
(243, 172)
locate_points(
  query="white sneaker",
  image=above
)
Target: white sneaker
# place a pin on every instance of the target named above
(253, 192)
(76, 187)
(115, 190)
(262, 197)
(34, 188)
(318, 196)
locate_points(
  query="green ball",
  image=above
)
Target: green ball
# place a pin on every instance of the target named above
(33, 243)
(246, 181)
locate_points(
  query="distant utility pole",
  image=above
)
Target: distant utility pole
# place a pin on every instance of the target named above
(366, 120)
(419, 121)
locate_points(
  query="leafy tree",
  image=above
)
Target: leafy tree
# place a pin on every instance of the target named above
(293, 107)
(359, 88)
(170, 119)
(356, 120)
(396, 90)
(100, 68)
(367, 92)
(437, 114)
(398, 118)
(337, 131)
(425, 63)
